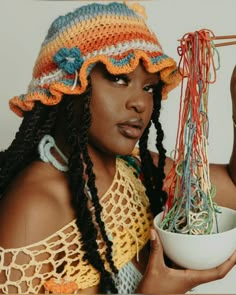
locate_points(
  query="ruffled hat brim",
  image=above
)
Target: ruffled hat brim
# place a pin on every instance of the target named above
(52, 94)
(112, 34)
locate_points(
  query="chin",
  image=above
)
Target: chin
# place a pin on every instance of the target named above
(118, 150)
(125, 150)
(125, 153)
(118, 147)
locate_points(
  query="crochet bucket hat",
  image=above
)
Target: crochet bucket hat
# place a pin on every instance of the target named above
(115, 34)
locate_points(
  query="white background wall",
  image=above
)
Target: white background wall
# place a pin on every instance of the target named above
(24, 23)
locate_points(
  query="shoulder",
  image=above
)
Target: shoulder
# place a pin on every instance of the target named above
(36, 205)
(155, 158)
(168, 162)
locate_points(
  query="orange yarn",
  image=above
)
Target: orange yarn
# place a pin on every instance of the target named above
(60, 287)
(127, 221)
(137, 8)
(113, 34)
(196, 66)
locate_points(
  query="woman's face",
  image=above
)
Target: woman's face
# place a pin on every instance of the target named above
(121, 107)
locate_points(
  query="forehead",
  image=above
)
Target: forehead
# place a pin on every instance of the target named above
(139, 71)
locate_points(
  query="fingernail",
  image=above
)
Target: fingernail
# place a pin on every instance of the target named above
(152, 235)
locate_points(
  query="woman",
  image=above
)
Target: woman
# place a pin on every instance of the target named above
(82, 204)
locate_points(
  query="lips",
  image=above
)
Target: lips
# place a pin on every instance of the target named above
(131, 128)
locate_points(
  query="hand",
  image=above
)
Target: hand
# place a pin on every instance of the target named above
(233, 91)
(232, 162)
(160, 279)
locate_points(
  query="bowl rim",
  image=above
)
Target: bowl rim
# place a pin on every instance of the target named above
(156, 226)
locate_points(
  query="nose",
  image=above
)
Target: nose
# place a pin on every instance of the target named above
(136, 100)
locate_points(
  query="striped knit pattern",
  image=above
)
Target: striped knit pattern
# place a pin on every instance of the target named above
(113, 34)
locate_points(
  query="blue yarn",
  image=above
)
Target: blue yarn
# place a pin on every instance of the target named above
(158, 58)
(123, 61)
(62, 23)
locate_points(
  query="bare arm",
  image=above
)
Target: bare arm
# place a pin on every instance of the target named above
(36, 197)
(224, 176)
(232, 163)
(29, 214)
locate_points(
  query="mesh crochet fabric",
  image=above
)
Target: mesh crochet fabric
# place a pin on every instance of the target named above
(128, 220)
(113, 34)
(128, 279)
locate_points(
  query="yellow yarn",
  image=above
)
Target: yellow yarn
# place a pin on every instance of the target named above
(127, 218)
(136, 7)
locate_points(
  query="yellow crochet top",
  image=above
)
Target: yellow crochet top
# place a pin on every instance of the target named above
(56, 262)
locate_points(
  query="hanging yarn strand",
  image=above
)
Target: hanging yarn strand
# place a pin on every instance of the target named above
(190, 208)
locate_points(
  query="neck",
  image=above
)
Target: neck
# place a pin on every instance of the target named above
(104, 165)
(102, 161)
(104, 168)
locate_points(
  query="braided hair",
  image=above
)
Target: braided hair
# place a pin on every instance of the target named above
(23, 150)
(154, 175)
(79, 155)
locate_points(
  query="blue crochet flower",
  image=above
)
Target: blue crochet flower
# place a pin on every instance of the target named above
(69, 60)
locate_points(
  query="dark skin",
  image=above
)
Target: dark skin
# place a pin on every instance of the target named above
(43, 189)
(232, 162)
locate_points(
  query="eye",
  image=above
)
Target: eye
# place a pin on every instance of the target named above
(120, 80)
(149, 88)
(117, 79)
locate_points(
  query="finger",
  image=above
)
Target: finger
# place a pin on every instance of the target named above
(204, 276)
(156, 254)
(234, 72)
(233, 79)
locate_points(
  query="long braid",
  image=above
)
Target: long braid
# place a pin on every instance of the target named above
(77, 183)
(88, 231)
(154, 176)
(160, 175)
(106, 282)
(21, 142)
(22, 150)
(106, 279)
(146, 160)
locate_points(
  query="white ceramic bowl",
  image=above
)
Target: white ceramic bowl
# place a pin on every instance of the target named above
(201, 251)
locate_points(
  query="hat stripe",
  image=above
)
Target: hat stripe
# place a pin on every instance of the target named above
(109, 33)
(120, 62)
(85, 30)
(122, 47)
(119, 49)
(87, 13)
(124, 32)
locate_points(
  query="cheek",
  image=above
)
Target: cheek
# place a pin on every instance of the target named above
(102, 117)
(105, 105)
(101, 111)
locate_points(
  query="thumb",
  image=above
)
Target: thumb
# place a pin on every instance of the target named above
(156, 253)
(233, 81)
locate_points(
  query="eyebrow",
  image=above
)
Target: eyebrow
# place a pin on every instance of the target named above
(102, 67)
